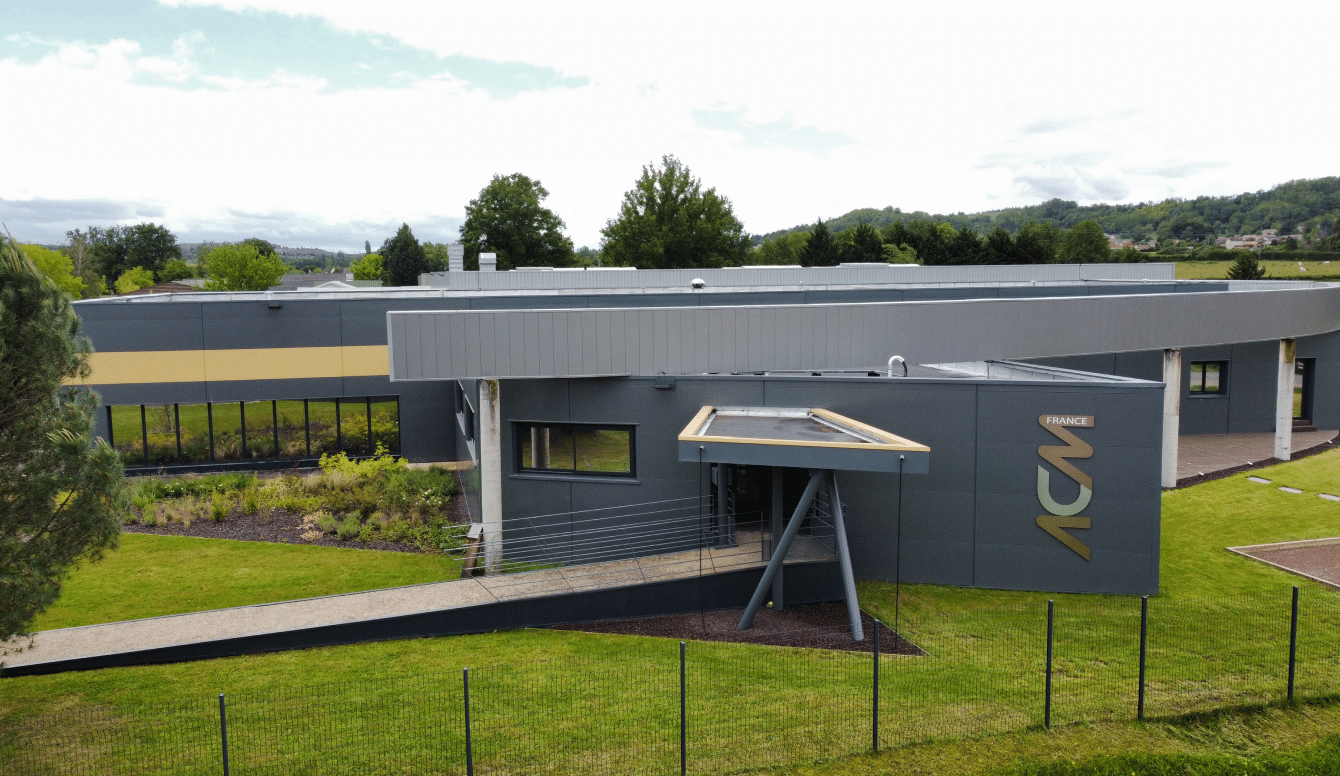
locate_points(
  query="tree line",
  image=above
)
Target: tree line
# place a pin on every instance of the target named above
(1309, 205)
(670, 219)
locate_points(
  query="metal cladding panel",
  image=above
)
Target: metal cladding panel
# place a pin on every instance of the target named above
(145, 327)
(803, 336)
(232, 325)
(792, 276)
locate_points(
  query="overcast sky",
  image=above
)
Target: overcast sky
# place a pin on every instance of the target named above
(327, 123)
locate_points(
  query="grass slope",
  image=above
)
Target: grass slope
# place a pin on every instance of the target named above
(585, 703)
(150, 576)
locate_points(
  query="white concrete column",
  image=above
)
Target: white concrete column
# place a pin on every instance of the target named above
(1172, 413)
(1284, 400)
(490, 473)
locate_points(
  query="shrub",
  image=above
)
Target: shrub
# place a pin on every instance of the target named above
(220, 506)
(327, 522)
(349, 527)
(419, 491)
(250, 501)
(370, 467)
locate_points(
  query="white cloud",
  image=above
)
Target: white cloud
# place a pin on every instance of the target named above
(791, 112)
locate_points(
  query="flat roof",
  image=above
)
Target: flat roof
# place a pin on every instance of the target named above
(812, 438)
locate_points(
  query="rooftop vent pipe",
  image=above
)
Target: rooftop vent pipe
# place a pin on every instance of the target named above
(899, 359)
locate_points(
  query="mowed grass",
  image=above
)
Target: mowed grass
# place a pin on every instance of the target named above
(577, 703)
(150, 576)
(1276, 269)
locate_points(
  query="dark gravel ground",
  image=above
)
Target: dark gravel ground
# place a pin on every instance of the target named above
(815, 626)
(280, 527)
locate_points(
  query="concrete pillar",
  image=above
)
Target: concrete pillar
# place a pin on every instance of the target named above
(1284, 399)
(1172, 413)
(490, 473)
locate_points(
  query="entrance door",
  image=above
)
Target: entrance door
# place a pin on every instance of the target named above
(1304, 382)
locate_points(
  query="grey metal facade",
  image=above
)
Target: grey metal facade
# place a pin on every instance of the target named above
(971, 521)
(591, 354)
(442, 345)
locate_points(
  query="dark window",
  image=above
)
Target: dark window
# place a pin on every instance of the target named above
(163, 434)
(568, 448)
(1208, 378)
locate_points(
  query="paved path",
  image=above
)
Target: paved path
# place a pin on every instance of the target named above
(1205, 453)
(130, 635)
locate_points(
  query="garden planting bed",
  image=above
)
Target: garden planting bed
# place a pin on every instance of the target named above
(284, 527)
(375, 504)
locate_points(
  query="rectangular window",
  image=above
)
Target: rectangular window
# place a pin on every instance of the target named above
(386, 425)
(569, 448)
(152, 435)
(292, 431)
(260, 429)
(227, 431)
(1208, 378)
(321, 422)
(354, 426)
(127, 434)
(194, 432)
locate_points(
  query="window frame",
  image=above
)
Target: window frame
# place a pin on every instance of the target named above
(214, 461)
(1220, 390)
(520, 467)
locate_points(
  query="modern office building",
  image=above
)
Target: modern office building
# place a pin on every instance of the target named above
(1004, 427)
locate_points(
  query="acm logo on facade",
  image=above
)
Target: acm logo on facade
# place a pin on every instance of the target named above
(1065, 516)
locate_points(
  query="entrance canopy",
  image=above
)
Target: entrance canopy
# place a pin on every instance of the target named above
(797, 437)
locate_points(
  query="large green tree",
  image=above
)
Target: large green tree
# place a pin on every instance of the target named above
(509, 219)
(862, 244)
(118, 248)
(61, 493)
(241, 268)
(667, 221)
(784, 249)
(58, 267)
(1085, 243)
(821, 249)
(403, 259)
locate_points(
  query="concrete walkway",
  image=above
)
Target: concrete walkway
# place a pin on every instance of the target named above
(132, 635)
(1206, 453)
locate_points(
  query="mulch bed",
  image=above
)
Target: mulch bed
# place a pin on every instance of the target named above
(814, 626)
(1246, 467)
(279, 527)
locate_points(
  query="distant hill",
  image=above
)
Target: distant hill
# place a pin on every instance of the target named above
(1312, 204)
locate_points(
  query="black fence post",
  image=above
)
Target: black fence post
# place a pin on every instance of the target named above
(223, 731)
(874, 705)
(469, 750)
(1047, 702)
(1293, 641)
(1144, 648)
(683, 716)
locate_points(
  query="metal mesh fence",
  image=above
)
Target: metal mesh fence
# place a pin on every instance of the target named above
(745, 706)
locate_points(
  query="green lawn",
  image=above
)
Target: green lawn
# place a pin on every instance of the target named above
(577, 703)
(1276, 269)
(151, 576)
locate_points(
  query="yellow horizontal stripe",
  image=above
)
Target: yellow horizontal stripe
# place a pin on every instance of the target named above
(191, 366)
(167, 366)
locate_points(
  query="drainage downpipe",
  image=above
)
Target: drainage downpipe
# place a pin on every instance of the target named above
(900, 360)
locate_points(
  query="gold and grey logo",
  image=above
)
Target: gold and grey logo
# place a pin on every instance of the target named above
(1065, 516)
